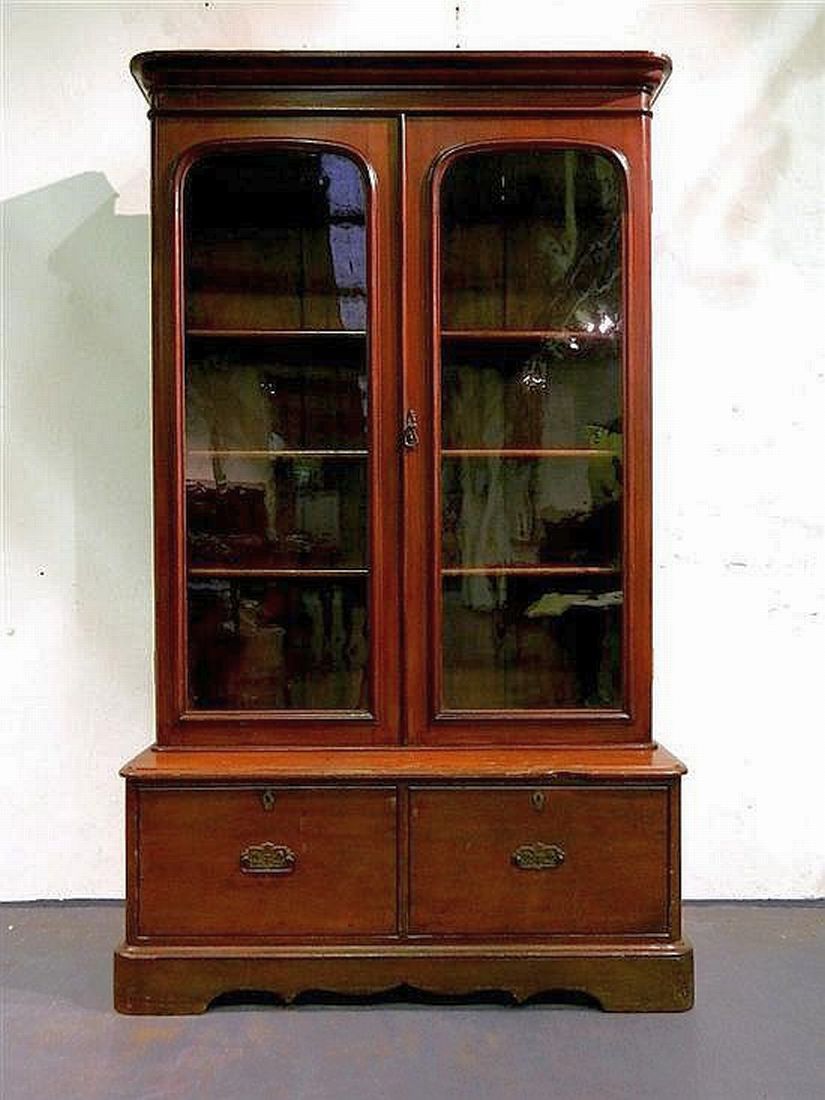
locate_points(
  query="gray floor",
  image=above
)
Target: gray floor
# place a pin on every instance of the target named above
(755, 1034)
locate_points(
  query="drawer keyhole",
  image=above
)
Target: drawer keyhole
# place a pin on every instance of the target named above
(538, 800)
(268, 799)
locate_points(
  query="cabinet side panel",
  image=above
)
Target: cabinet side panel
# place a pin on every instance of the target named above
(167, 406)
(132, 860)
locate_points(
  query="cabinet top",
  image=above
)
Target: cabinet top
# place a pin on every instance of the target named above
(417, 764)
(622, 70)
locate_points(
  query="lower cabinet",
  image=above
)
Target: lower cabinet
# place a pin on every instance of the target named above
(255, 862)
(563, 878)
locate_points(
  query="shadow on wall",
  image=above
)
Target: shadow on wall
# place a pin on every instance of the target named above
(77, 361)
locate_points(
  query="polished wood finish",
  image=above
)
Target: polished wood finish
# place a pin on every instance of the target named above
(639, 762)
(431, 145)
(233, 571)
(626, 71)
(215, 333)
(177, 144)
(501, 101)
(518, 336)
(191, 885)
(357, 852)
(463, 879)
(619, 977)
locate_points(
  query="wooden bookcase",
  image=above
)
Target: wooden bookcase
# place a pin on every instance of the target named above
(403, 535)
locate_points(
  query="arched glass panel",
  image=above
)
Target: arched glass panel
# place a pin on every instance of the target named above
(277, 438)
(531, 430)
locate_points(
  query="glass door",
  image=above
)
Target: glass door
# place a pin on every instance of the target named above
(287, 589)
(527, 476)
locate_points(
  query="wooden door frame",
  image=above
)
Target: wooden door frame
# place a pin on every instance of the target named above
(429, 145)
(177, 144)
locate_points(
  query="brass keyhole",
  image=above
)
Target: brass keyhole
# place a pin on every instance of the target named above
(268, 799)
(409, 434)
(538, 800)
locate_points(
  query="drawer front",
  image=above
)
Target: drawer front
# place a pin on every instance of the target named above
(573, 860)
(253, 861)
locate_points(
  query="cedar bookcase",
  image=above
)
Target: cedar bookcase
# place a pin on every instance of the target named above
(401, 348)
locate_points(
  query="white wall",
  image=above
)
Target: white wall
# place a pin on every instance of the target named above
(740, 408)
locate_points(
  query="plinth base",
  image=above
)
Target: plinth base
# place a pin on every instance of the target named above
(183, 980)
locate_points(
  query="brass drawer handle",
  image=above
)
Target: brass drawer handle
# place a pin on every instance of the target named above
(537, 857)
(268, 859)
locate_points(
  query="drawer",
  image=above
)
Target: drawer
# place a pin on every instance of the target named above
(240, 862)
(563, 860)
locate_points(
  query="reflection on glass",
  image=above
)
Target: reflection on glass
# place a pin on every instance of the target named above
(276, 240)
(536, 394)
(531, 643)
(276, 394)
(288, 513)
(498, 511)
(277, 436)
(278, 645)
(531, 431)
(530, 240)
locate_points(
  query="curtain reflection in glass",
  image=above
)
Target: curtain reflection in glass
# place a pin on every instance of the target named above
(561, 511)
(531, 394)
(276, 395)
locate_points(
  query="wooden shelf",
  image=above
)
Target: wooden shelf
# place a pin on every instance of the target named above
(526, 335)
(233, 571)
(283, 454)
(274, 333)
(532, 571)
(524, 452)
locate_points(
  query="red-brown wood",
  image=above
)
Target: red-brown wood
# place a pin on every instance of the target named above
(178, 143)
(401, 873)
(503, 101)
(628, 70)
(191, 886)
(640, 976)
(510, 335)
(613, 879)
(430, 145)
(418, 763)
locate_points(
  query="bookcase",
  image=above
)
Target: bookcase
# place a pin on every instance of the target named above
(402, 535)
